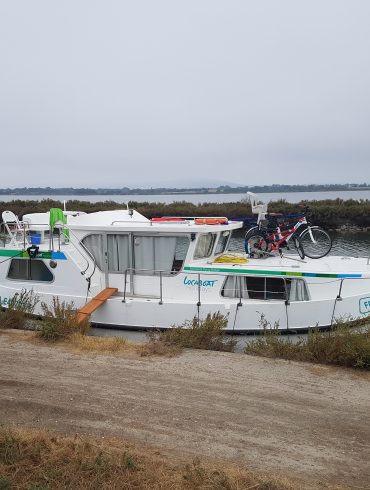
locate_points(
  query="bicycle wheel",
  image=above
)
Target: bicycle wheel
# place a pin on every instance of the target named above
(256, 244)
(250, 232)
(297, 244)
(316, 242)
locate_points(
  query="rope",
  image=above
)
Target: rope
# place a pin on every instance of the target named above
(12, 257)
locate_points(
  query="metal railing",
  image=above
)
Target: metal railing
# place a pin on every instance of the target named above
(239, 289)
(152, 272)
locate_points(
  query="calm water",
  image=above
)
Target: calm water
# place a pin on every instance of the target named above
(200, 198)
(349, 244)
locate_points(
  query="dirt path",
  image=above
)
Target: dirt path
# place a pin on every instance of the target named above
(306, 421)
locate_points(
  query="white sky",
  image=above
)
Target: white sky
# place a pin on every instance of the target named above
(153, 93)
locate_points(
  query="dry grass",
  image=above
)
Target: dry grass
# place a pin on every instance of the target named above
(88, 343)
(118, 345)
(34, 459)
(159, 347)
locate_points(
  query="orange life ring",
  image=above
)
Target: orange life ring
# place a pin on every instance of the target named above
(210, 221)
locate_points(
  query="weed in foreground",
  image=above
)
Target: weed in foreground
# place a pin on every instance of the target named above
(19, 307)
(87, 343)
(60, 321)
(5, 484)
(344, 345)
(208, 334)
(156, 346)
(46, 460)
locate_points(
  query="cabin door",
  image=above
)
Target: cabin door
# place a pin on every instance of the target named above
(153, 258)
(117, 251)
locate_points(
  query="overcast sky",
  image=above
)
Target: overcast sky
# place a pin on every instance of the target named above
(161, 92)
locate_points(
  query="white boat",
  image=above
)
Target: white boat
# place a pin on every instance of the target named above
(160, 273)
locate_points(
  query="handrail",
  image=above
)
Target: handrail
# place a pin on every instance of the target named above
(129, 221)
(239, 298)
(154, 272)
(82, 255)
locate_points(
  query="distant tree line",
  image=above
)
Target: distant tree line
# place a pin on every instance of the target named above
(331, 214)
(224, 189)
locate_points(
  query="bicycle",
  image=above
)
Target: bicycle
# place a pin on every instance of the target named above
(313, 241)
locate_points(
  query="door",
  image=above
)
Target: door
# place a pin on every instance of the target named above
(117, 252)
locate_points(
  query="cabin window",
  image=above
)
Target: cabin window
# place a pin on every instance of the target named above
(205, 245)
(265, 288)
(297, 290)
(181, 250)
(29, 270)
(159, 253)
(94, 244)
(222, 242)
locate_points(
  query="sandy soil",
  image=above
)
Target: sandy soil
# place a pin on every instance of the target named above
(306, 421)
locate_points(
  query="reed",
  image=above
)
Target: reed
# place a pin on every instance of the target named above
(330, 214)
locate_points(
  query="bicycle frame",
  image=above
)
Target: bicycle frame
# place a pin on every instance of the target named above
(276, 239)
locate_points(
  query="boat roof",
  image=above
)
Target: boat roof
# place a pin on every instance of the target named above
(125, 219)
(122, 220)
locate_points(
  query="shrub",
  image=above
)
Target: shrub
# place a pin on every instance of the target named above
(206, 334)
(345, 345)
(19, 307)
(60, 321)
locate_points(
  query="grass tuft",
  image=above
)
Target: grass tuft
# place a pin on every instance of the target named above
(344, 345)
(87, 343)
(9, 448)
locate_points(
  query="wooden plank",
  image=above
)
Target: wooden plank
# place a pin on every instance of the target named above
(106, 293)
(95, 303)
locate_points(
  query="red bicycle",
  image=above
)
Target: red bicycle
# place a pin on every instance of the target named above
(307, 240)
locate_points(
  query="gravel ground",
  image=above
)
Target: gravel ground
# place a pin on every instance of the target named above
(307, 421)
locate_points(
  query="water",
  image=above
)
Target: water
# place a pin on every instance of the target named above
(201, 198)
(349, 244)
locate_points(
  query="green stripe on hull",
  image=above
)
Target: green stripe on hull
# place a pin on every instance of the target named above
(271, 273)
(40, 255)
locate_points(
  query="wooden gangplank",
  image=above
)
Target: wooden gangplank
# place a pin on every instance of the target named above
(95, 303)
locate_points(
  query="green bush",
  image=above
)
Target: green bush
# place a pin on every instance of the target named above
(60, 321)
(345, 345)
(208, 334)
(19, 307)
